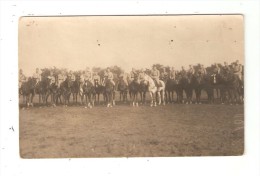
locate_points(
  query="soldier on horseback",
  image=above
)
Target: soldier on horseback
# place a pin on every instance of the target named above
(201, 70)
(155, 74)
(61, 78)
(88, 75)
(51, 77)
(164, 75)
(124, 77)
(237, 70)
(133, 75)
(37, 76)
(226, 68)
(191, 70)
(96, 78)
(109, 76)
(183, 72)
(71, 76)
(172, 73)
(216, 69)
(22, 78)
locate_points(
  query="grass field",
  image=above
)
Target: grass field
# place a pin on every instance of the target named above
(125, 131)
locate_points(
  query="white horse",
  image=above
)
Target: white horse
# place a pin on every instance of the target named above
(161, 93)
(153, 90)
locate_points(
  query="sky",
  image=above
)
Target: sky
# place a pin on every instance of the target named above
(77, 42)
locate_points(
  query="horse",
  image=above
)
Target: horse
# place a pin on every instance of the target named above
(75, 89)
(109, 92)
(171, 86)
(161, 92)
(42, 89)
(28, 90)
(88, 91)
(232, 88)
(99, 89)
(122, 87)
(66, 90)
(143, 88)
(152, 89)
(186, 86)
(134, 88)
(198, 84)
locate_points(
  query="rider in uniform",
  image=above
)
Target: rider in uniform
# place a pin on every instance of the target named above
(88, 75)
(216, 69)
(71, 76)
(172, 73)
(133, 75)
(225, 69)
(183, 72)
(109, 76)
(237, 70)
(51, 77)
(96, 78)
(22, 78)
(155, 74)
(201, 70)
(141, 76)
(204, 71)
(191, 70)
(61, 78)
(37, 76)
(164, 74)
(124, 77)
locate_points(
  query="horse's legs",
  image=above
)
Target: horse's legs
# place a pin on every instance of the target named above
(113, 98)
(31, 100)
(163, 97)
(159, 97)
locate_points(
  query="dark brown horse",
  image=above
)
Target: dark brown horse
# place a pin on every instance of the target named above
(28, 91)
(123, 90)
(134, 88)
(143, 89)
(109, 92)
(99, 90)
(66, 90)
(198, 84)
(88, 91)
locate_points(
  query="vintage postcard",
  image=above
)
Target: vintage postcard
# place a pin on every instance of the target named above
(131, 86)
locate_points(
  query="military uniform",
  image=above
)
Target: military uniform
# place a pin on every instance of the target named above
(37, 77)
(22, 79)
(96, 78)
(61, 78)
(72, 77)
(124, 76)
(201, 70)
(237, 70)
(88, 76)
(155, 74)
(216, 70)
(52, 79)
(141, 76)
(172, 74)
(164, 75)
(133, 75)
(183, 73)
(109, 76)
(82, 78)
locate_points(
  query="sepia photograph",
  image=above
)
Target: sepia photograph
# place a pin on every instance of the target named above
(131, 86)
